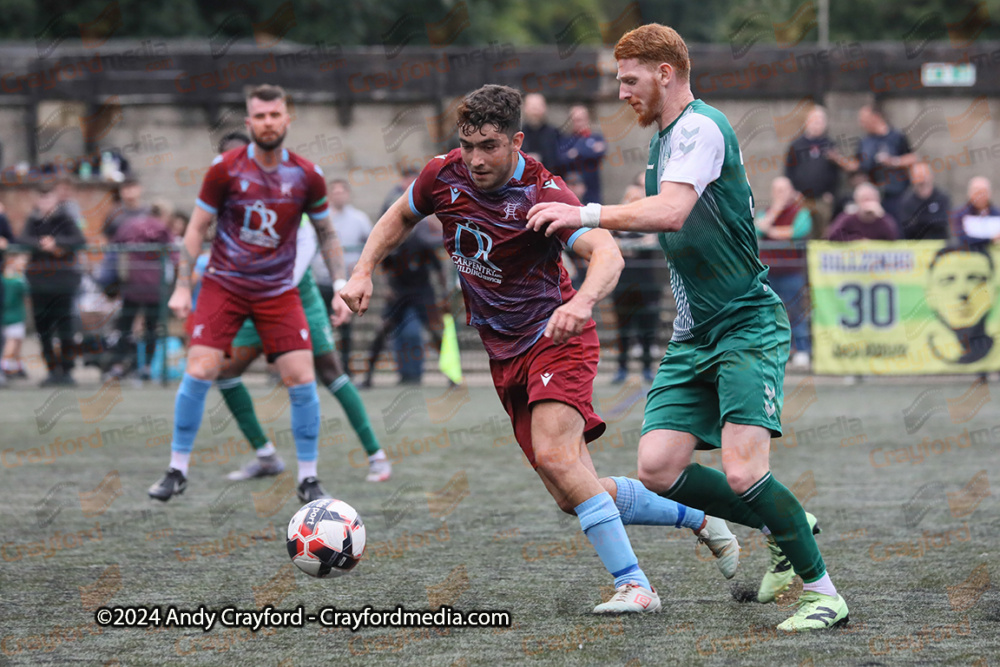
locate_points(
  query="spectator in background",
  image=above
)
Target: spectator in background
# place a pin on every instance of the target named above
(541, 140)
(636, 296)
(884, 156)
(130, 205)
(232, 141)
(407, 174)
(924, 209)
(353, 228)
(66, 194)
(162, 209)
(411, 305)
(6, 238)
(177, 224)
(787, 218)
(869, 221)
(582, 152)
(967, 222)
(812, 172)
(14, 317)
(141, 280)
(53, 278)
(845, 202)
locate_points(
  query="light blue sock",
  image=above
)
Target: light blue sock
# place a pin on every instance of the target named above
(602, 524)
(639, 505)
(305, 420)
(188, 410)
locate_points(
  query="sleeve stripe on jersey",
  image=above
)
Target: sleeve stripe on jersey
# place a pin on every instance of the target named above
(210, 209)
(577, 234)
(413, 207)
(319, 216)
(321, 201)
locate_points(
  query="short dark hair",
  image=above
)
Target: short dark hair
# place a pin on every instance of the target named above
(499, 106)
(975, 248)
(267, 92)
(45, 185)
(233, 136)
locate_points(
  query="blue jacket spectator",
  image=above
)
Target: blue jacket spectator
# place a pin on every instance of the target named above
(582, 152)
(541, 140)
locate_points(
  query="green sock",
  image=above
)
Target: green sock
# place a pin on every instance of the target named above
(344, 391)
(784, 516)
(241, 405)
(708, 490)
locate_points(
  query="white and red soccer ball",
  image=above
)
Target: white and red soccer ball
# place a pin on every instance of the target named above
(326, 538)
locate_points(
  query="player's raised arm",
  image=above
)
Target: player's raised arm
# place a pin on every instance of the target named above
(664, 212)
(389, 232)
(606, 264)
(194, 236)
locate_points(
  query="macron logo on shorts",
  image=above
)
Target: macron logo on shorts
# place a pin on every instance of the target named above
(545, 379)
(304, 333)
(198, 329)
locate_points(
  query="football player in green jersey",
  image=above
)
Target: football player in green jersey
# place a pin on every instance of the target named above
(720, 382)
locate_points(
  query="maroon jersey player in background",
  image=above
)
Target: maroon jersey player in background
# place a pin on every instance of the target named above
(538, 331)
(258, 193)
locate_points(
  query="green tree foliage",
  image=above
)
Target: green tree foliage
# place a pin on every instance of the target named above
(958, 22)
(520, 22)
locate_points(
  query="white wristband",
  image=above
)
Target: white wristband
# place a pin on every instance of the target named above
(338, 284)
(590, 216)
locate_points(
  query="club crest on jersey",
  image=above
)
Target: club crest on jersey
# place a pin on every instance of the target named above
(264, 234)
(474, 257)
(510, 211)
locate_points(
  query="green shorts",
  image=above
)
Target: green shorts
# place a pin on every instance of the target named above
(735, 377)
(320, 329)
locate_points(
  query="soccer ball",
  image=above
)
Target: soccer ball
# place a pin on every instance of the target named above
(326, 538)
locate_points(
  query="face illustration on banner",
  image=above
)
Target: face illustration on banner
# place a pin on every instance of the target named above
(961, 289)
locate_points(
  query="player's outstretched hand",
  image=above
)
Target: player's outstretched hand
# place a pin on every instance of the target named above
(180, 302)
(568, 320)
(554, 214)
(341, 311)
(357, 294)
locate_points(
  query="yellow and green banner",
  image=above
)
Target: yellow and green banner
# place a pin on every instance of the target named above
(903, 308)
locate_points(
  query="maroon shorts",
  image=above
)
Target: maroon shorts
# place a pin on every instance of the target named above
(549, 372)
(280, 320)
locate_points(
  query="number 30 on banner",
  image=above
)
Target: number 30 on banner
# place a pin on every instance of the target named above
(872, 305)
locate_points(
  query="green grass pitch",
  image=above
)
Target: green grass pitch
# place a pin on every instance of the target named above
(903, 477)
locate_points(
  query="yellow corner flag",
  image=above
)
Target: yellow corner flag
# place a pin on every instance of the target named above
(449, 360)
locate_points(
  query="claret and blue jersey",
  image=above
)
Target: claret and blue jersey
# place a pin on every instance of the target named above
(258, 213)
(512, 278)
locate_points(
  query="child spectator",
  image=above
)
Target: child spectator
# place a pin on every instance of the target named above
(14, 316)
